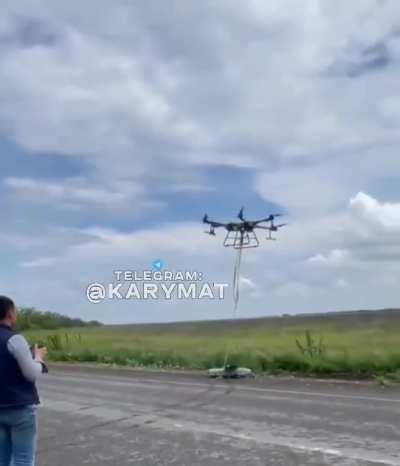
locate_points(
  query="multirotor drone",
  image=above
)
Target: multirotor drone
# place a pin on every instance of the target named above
(242, 235)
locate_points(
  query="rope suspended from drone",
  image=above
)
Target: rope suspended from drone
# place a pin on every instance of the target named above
(236, 281)
(241, 235)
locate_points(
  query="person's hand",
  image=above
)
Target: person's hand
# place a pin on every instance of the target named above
(40, 353)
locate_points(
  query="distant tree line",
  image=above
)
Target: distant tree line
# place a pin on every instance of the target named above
(31, 318)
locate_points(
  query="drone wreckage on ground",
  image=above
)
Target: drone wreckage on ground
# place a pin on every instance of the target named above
(240, 235)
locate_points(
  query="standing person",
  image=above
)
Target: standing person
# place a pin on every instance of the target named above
(18, 393)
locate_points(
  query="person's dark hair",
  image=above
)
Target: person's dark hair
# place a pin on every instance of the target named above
(6, 305)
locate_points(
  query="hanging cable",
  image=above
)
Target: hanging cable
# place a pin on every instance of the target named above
(236, 289)
(236, 280)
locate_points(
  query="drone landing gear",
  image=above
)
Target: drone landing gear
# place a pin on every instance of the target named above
(241, 240)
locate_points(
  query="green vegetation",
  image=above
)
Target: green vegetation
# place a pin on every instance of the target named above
(30, 318)
(363, 344)
(310, 348)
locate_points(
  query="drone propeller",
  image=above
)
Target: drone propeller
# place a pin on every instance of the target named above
(272, 217)
(240, 215)
(212, 223)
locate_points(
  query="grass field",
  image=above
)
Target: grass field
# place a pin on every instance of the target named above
(359, 344)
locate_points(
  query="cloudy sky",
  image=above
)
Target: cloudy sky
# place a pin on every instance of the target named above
(122, 123)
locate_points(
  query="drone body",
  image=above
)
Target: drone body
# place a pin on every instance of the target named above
(241, 235)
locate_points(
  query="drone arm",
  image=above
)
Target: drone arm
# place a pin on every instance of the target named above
(262, 227)
(271, 227)
(217, 224)
(212, 223)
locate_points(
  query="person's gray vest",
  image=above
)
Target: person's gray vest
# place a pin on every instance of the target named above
(15, 390)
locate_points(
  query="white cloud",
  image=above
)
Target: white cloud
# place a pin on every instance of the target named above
(371, 212)
(137, 100)
(332, 279)
(72, 193)
(113, 85)
(369, 234)
(336, 257)
(250, 287)
(110, 247)
(308, 191)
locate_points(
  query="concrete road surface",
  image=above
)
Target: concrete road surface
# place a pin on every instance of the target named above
(99, 418)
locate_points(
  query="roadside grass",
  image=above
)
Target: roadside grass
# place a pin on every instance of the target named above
(350, 347)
